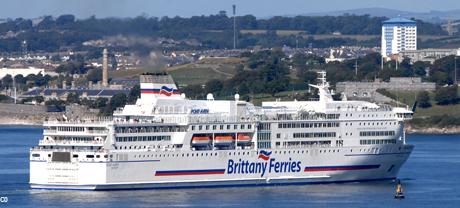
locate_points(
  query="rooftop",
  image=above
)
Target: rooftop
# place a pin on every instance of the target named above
(398, 20)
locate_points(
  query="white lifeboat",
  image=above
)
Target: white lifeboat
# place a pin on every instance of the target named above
(200, 140)
(223, 140)
(243, 139)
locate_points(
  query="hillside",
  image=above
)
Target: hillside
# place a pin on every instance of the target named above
(204, 70)
(430, 16)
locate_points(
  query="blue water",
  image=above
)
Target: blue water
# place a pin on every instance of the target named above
(431, 178)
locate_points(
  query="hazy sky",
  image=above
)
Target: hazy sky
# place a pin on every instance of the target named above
(159, 8)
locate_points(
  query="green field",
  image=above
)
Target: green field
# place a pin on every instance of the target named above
(204, 70)
(193, 73)
(436, 110)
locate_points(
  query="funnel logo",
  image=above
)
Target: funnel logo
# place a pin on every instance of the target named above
(166, 91)
(162, 91)
(264, 155)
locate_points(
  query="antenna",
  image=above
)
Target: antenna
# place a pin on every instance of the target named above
(14, 88)
(381, 63)
(234, 26)
(356, 68)
(455, 70)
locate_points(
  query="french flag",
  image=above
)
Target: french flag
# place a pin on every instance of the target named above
(264, 155)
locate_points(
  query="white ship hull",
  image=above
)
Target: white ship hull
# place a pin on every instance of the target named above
(168, 141)
(340, 165)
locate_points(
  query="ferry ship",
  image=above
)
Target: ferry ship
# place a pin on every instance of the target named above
(165, 140)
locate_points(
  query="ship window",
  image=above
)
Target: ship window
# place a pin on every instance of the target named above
(89, 156)
(228, 127)
(207, 127)
(200, 127)
(75, 156)
(221, 127)
(278, 135)
(98, 156)
(214, 127)
(235, 126)
(249, 126)
(35, 155)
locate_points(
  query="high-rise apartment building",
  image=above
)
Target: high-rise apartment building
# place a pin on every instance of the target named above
(398, 34)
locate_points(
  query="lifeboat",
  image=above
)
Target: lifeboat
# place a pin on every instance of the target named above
(243, 139)
(200, 140)
(223, 140)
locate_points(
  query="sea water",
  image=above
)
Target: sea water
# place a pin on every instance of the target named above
(430, 178)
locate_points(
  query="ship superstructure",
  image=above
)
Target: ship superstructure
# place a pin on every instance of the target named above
(165, 140)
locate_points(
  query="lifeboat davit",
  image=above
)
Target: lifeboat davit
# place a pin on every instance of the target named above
(223, 140)
(201, 140)
(243, 139)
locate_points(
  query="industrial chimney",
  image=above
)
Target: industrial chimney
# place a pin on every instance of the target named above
(105, 69)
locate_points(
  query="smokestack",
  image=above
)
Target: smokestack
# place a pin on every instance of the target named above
(105, 69)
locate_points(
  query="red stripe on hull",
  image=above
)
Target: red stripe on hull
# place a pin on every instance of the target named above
(190, 173)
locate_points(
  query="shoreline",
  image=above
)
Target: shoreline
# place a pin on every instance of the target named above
(432, 130)
(409, 129)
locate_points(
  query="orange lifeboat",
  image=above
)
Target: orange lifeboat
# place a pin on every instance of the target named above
(243, 138)
(223, 140)
(200, 140)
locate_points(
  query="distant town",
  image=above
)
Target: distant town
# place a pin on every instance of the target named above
(55, 66)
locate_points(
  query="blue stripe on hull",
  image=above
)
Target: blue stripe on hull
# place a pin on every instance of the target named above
(108, 188)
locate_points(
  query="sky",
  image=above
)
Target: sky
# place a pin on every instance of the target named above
(187, 8)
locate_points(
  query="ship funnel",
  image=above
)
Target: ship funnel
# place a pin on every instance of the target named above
(154, 85)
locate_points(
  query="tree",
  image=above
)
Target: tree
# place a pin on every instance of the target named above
(420, 68)
(74, 67)
(193, 91)
(7, 81)
(423, 99)
(134, 94)
(213, 86)
(73, 98)
(100, 103)
(118, 100)
(446, 95)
